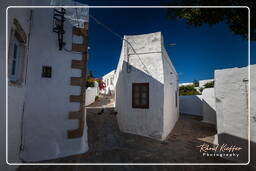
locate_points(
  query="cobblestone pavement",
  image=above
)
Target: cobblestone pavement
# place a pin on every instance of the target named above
(109, 145)
(103, 101)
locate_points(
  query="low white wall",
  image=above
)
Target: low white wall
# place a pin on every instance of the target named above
(209, 109)
(91, 93)
(191, 105)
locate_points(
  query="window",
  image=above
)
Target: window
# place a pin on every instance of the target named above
(47, 71)
(16, 53)
(16, 58)
(140, 95)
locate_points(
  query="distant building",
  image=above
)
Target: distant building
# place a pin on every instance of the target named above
(201, 83)
(146, 87)
(108, 79)
(186, 84)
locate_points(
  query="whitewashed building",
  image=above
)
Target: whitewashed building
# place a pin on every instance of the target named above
(233, 89)
(92, 93)
(203, 82)
(46, 93)
(108, 79)
(146, 87)
(200, 82)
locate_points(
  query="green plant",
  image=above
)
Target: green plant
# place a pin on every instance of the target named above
(236, 19)
(209, 84)
(90, 82)
(96, 98)
(188, 90)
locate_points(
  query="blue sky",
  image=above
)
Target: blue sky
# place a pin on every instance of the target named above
(198, 51)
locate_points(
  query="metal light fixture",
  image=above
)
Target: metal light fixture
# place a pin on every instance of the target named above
(58, 25)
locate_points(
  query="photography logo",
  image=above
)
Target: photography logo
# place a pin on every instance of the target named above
(219, 150)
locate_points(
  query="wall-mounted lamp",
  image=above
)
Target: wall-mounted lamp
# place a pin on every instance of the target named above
(58, 25)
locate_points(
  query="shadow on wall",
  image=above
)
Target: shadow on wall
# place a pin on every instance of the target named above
(209, 113)
(200, 105)
(143, 122)
(147, 122)
(253, 153)
(191, 105)
(230, 140)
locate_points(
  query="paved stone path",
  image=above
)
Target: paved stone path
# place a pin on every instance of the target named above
(104, 101)
(109, 145)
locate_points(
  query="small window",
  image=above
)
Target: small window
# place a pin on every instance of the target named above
(17, 54)
(16, 59)
(140, 95)
(46, 71)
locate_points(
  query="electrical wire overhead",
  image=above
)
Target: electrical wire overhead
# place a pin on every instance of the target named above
(120, 37)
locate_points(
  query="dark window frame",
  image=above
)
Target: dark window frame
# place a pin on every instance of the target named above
(17, 64)
(46, 72)
(146, 106)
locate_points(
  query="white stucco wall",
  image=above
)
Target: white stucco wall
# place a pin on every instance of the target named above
(16, 94)
(148, 67)
(107, 80)
(191, 105)
(231, 101)
(47, 99)
(91, 93)
(253, 113)
(209, 109)
(200, 105)
(171, 109)
(231, 91)
(14, 140)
